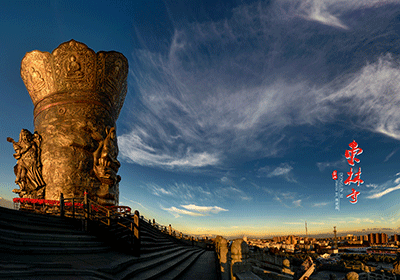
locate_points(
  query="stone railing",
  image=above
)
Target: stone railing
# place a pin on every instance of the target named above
(118, 218)
(179, 235)
(236, 262)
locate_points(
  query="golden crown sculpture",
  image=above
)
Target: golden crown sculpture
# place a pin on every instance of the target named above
(75, 73)
(78, 95)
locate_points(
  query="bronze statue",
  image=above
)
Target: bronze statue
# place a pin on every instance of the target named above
(28, 168)
(77, 96)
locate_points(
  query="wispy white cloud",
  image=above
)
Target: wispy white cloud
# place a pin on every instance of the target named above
(317, 10)
(136, 150)
(227, 179)
(332, 164)
(194, 210)
(178, 212)
(187, 193)
(283, 170)
(353, 220)
(205, 209)
(183, 191)
(135, 202)
(373, 95)
(288, 195)
(297, 203)
(383, 192)
(231, 193)
(390, 155)
(363, 220)
(374, 186)
(230, 87)
(159, 191)
(319, 204)
(376, 191)
(287, 199)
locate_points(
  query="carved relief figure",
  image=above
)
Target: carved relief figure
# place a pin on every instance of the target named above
(106, 165)
(117, 67)
(36, 80)
(28, 167)
(73, 68)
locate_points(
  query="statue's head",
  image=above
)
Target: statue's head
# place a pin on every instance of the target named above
(25, 135)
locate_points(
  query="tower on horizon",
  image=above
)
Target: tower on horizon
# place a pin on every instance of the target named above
(335, 240)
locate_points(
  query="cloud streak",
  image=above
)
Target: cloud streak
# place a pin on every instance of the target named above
(204, 209)
(383, 192)
(194, 210)
(316, 10)
(320, 204)
(187, 193)
(283, 170)
(236, 87)
(287, 199)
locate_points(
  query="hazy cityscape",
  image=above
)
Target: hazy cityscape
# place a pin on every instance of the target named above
(244, 139)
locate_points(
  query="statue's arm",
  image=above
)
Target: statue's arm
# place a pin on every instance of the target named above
(9, 139)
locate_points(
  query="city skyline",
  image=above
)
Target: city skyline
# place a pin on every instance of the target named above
(237, 112)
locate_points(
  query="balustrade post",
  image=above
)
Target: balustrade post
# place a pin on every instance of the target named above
(223, 255)
(86, 210)
(108, 218)
(239, 255)
(136, 234)
(73, 208)
(62, 205)
(170, 229)
(154, 222)
(85, 202)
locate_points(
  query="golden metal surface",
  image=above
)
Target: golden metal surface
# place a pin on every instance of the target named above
(78, 95)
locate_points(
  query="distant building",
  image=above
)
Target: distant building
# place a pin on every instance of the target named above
(378, 238)
(395, 237)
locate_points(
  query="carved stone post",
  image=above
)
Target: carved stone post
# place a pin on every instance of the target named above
(223, 259)
(239, 255)
(217, 243)
(78, 95)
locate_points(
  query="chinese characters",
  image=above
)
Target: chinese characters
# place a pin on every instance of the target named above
(338, 189)
(351, 158)
(350, 155)
(353, 196)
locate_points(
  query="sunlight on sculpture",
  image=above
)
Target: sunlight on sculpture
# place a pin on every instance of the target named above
(78, 95)
(28, 168)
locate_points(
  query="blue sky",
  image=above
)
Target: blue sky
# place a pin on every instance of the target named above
(237, 112)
